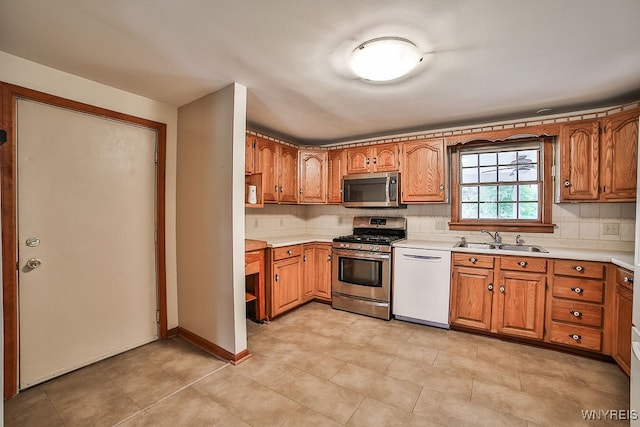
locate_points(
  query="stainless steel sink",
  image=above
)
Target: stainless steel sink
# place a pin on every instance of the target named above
(523, 248)
(501, 246)
(472, 245)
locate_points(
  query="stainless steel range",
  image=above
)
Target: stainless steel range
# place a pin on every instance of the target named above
(361, 266)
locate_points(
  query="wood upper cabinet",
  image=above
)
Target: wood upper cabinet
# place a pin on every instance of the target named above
(278, 164)
(423, 172)
(266, 164)
(312, 176)
(249, 154)
(619, 157)
(373, 158)
(598, 159)
(336, 169)
(580, 161)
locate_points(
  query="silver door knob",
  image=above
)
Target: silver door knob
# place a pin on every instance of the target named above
(34, 263)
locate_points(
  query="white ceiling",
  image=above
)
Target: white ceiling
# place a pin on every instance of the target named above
(486, 59)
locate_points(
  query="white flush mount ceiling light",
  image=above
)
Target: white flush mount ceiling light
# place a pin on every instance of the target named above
(385, 58)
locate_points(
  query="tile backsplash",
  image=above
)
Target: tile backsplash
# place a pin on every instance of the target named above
(578, 225)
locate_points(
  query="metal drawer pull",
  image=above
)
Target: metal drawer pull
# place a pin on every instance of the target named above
(502, 289)
(473, 260)
(628, 280)
(522, 263)
(575, 336)
(567, 184)
(490, 287)
(328, 257)
(304, 258)
(577, 290)
(277, 277)
(289, 252)
(575, 313)
(578, 268)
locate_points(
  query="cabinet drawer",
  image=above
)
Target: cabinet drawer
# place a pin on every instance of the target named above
(568, 267)
(578, 289)
(580, 313)
(575, 336)
(472, 260)
(286, 252)
(516, 263)
(624, 278)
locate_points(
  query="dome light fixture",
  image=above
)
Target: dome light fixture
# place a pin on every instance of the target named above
(385, 58)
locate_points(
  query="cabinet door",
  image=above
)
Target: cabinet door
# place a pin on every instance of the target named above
(423, 172)
(336, 169)
(358, 160)
(249, 154)
(266, 153)
(471, 297)
(521, 298)
(386, 157)
(622, 327)
(313, 176)
(323, 271)
(619, 158)
(288, 174)
(285, 281)
(309, 275)
(579, 161)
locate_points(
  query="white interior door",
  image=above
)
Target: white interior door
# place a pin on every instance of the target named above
(86, 239)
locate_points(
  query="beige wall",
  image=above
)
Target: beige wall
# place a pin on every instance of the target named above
(35, 76)
(210, 217)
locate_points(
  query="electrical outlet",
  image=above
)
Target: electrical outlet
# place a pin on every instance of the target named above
(441, 224)
(611, 229)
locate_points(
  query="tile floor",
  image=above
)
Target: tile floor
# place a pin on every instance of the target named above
(320, 367)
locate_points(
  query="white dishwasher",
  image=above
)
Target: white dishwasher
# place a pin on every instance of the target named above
(421, 286)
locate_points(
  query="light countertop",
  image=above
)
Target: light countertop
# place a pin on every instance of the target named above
(621, 259)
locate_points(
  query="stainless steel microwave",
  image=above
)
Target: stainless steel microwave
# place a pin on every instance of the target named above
(371, 190)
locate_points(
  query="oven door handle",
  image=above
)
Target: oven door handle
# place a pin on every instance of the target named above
(360, 254)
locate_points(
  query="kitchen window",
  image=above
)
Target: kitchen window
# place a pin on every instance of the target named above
(502, 186)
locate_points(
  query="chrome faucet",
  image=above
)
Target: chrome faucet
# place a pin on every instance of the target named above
(518, 240)
(496, 237)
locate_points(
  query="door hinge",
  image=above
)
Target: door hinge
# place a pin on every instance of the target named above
(18, 265)
(155, 157)
(155, 236)
(157, 316)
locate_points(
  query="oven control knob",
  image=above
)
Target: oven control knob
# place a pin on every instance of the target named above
(347, 245)
(376, 248)
(342, 245)
(359, 246)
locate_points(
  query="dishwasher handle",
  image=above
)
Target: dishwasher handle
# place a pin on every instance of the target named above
(422, 257)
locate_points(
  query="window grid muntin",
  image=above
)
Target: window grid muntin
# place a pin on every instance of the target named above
(492, 159)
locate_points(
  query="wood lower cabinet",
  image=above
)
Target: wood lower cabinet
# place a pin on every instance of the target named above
(511, 305)
(298, 274)
(576, 305)
(323, 271)
(285, 279)
(309, 275)
(622, 314)
(423, 172)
